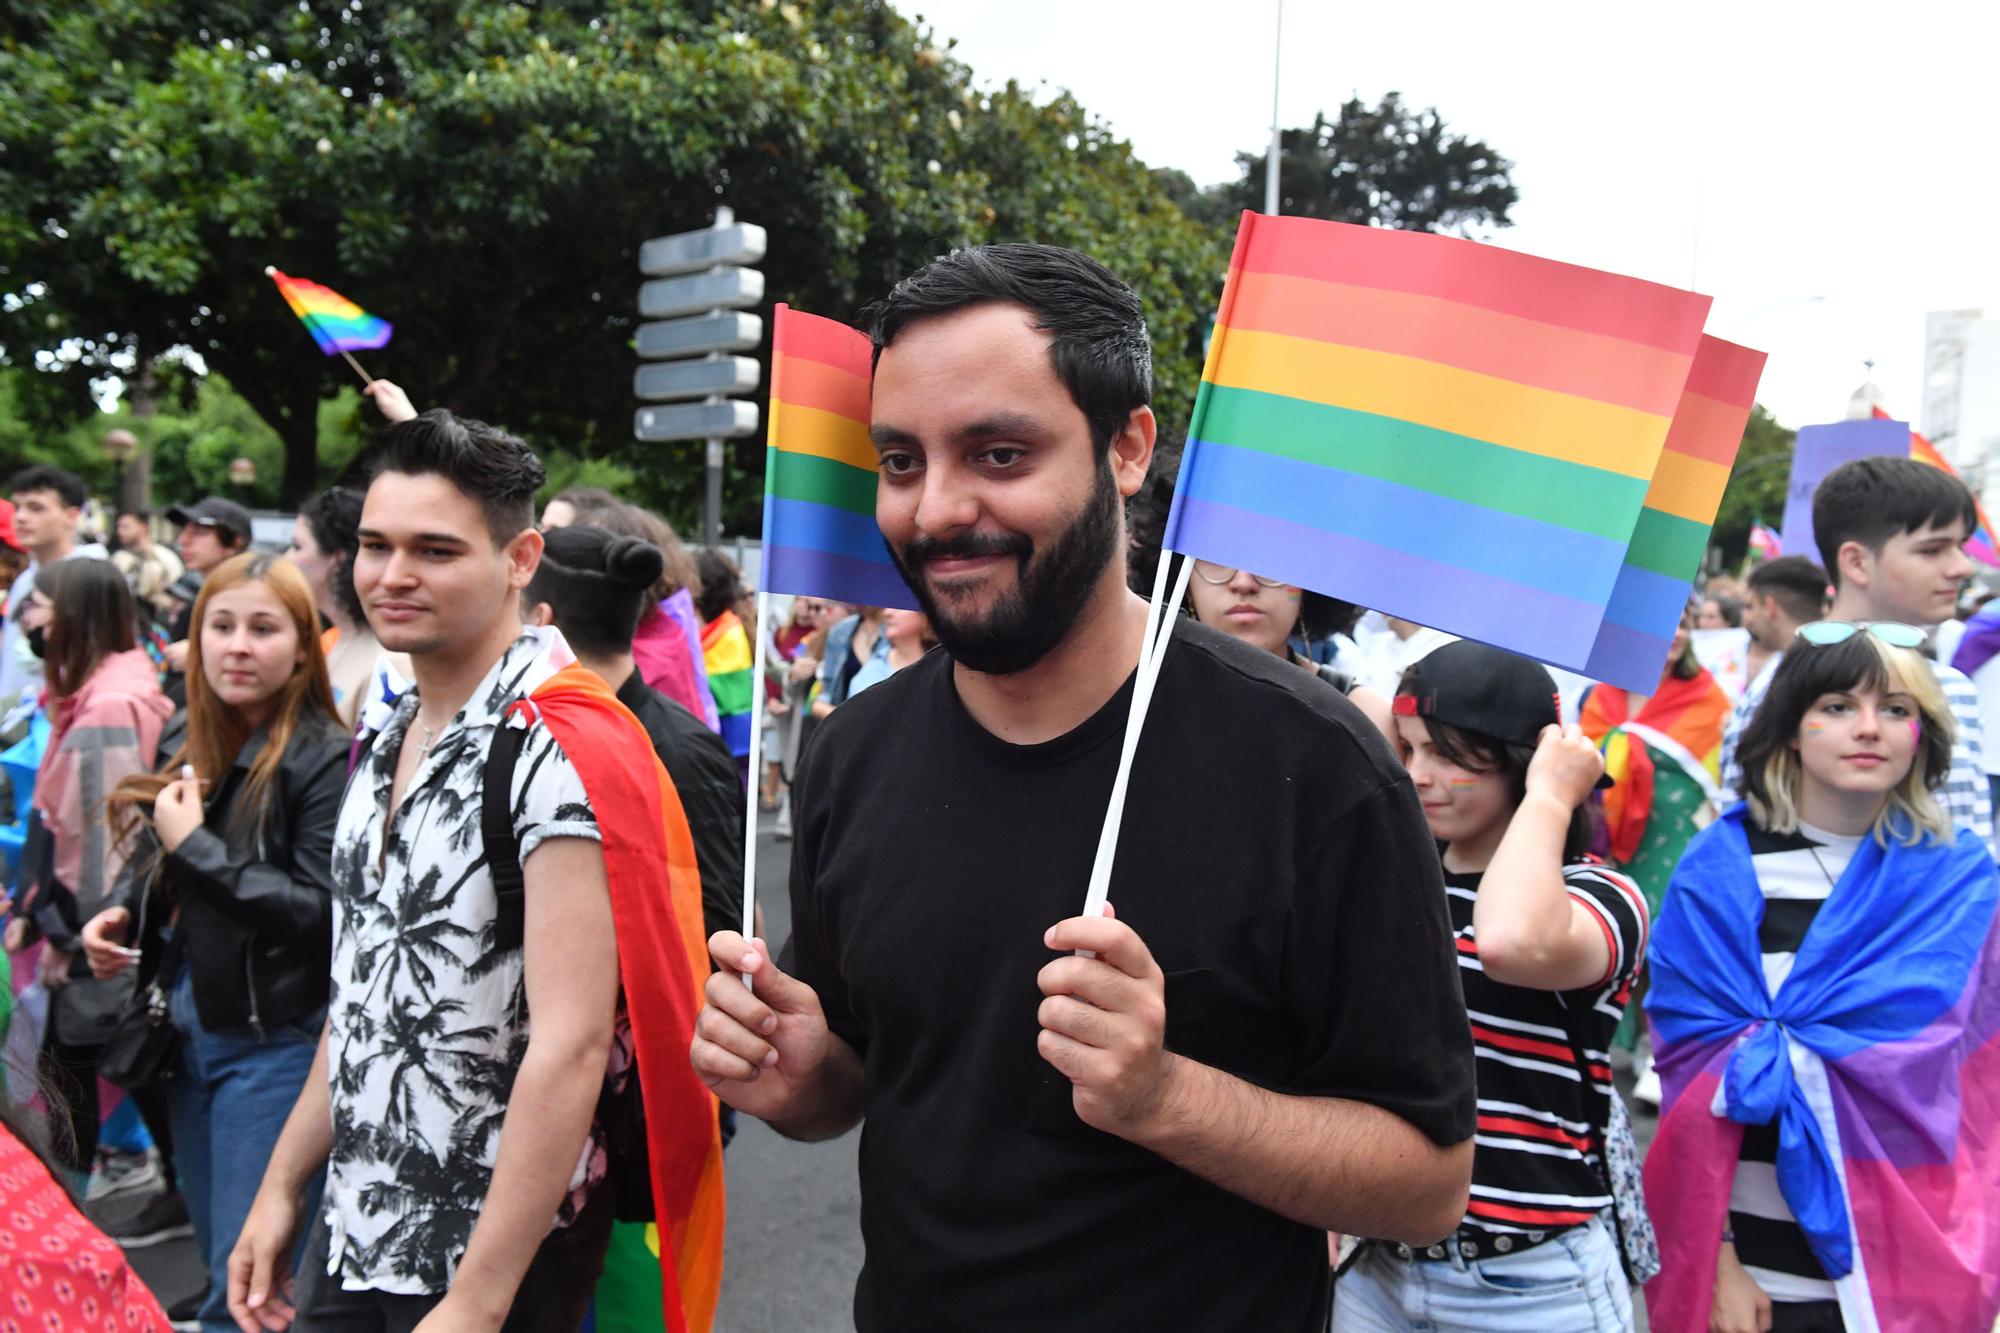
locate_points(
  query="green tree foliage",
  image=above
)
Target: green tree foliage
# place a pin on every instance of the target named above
(1756, 489)
(481, 174)
(1386, 166)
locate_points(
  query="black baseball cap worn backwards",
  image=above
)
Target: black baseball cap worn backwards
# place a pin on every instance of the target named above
(1478, 688)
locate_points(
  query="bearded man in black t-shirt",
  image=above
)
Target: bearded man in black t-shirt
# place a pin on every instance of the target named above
(1269, 1042)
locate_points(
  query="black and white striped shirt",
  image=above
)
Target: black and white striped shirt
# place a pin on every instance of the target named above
(1796, 872)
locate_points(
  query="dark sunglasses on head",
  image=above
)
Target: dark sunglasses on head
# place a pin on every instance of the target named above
(1826, 633)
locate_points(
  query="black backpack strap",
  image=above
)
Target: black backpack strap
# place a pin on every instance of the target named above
(496, 827)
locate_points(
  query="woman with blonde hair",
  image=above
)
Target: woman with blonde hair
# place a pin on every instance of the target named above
(231, 885)
(1826, 989)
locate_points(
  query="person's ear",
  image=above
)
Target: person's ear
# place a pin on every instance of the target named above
(524, 557)
(538, 615)
(1132, 451)
(1856, 563)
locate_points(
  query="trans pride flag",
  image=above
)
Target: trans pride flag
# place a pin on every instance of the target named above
(1450, 432)
(820, 538)
(1878, 1058)
(335, 323)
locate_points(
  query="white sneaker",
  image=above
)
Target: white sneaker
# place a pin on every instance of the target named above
(1646, 1087)
(122, 1173)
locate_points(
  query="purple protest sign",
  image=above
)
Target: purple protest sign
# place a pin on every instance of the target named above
(1821, 449)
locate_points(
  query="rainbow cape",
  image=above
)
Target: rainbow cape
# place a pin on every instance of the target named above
(725, 649)
(1681, 723)
(1980, 544)
(649, 861)
(1877, 1058)
(820, 538)
(336, 323)
(1447, 431)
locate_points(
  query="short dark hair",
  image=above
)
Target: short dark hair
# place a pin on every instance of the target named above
(721, 583)
(1871, 500)
(334, 515)
(597, 583)
(1096, 324)
(46, 477)
(1797, 583)
(498, 470)
(143, 515)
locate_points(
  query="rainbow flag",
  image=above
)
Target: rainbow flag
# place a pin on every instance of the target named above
(1764, 542)
(1672, 533)
(725, 650)
(336, 323)
(1980, 544)
(820, 538)
(1450, 432)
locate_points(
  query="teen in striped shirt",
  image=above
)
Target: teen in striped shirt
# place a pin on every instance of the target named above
(1548, 946)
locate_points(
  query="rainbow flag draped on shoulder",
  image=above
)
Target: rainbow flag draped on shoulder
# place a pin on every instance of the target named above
(1878, 1058)
(820, 538)
(1467, 437)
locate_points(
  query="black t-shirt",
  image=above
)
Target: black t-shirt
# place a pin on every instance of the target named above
(711, 791)
(1275, 860)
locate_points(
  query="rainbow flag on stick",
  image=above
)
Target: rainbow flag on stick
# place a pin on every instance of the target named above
(820, 538)
(1447, 431)
(1671, 536)
(336, 323)
(1980, 544)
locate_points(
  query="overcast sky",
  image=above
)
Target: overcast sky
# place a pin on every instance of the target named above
(1763, 153)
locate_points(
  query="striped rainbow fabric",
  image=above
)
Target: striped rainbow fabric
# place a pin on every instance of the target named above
(1672, 533)
(336, 323)
(820, 538)
(1450, 432)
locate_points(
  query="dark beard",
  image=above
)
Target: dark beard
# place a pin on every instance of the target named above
(1049, 593)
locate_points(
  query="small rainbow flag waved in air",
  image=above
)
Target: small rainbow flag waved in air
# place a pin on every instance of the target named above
(336, 323)
(1765, 542)
(820, 538)
(1672, 533)
(1453, 433)
(1979, 545)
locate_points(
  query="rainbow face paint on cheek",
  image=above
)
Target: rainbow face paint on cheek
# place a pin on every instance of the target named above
(1814, 728)
(1463, 784)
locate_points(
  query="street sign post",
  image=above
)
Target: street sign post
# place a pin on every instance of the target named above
(700, 281)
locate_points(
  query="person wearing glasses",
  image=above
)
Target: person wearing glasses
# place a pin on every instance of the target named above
(1891, 535)
(1823, 1006)
(1265, 613)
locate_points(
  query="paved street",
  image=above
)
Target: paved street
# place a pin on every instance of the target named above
(794, 1209)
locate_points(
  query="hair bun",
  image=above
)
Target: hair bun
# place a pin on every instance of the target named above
(633, 561)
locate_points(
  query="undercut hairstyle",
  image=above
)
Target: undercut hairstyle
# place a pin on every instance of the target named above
(45, 477)
(484, 462)
(335, 519)
(1768, 750)
(597, 583)
(1871, 500)
(1797, 583)
(93, 616)
(1096, 324)
(1476, 752)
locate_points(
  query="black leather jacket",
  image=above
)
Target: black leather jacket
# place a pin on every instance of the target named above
(257, 903)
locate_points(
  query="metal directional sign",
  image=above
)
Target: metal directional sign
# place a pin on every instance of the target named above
(667, 380)
(700, 284)
(727, 242)
(723, 331)
(717, 419)
(717, 289)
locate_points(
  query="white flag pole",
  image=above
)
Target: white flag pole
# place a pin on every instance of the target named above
(750, 810)
(1160, 616)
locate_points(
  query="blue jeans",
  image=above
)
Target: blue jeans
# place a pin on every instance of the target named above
(1568, 1284)
(227, 1102)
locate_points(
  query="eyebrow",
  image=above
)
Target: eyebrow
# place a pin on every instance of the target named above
(432, 538)
(985, 428)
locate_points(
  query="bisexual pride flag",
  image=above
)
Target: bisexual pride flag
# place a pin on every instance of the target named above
(335, 323)
(1446, 431)
(1878, 1059)
(820, 538)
